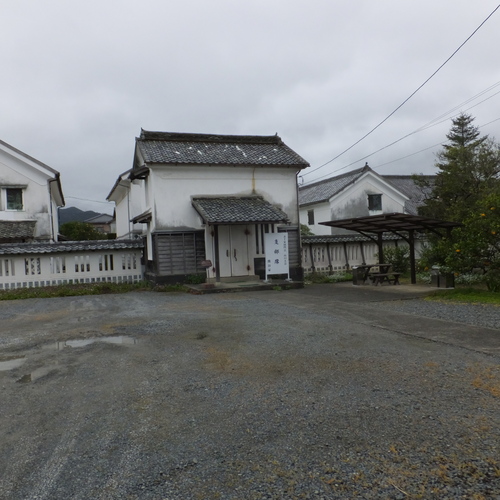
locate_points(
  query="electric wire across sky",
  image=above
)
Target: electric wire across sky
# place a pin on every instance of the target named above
(402, 104)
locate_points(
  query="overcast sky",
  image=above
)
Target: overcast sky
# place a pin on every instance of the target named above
(80, 79)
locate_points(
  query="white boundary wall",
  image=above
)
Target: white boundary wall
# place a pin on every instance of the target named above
(49, 269)
(325, 258)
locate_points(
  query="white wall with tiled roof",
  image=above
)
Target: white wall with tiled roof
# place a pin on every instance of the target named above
(352, 201)
(173, 188)
(40, 192)
(172, 169)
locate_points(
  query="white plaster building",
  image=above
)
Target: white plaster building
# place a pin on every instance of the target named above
(30, 193)
(206, 201)
(358, 193)
(30, 255)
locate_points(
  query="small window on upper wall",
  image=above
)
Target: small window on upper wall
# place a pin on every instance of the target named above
(375, 202)
(14, 198)
(310, 217)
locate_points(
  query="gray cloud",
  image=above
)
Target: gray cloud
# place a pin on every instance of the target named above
(79, 80)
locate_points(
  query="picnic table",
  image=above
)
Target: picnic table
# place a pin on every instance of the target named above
(378, 274)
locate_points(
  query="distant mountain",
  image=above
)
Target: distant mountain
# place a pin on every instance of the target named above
(73, 214)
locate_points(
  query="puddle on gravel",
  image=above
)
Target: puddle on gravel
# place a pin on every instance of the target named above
(36, 374)
(12, 363)
(116, 339)
(16, 362)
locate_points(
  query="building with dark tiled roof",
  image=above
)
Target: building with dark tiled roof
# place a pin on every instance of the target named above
(358, 193)
(30, 194)
(204, 204)
(104, 223)
(416, 194)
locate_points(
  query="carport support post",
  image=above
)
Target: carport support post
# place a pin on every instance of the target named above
(363, 262)
(413, 272)
(380, 249)
(346, 255)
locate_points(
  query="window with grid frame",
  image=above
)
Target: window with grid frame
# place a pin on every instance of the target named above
(13, 198)
(374, 202)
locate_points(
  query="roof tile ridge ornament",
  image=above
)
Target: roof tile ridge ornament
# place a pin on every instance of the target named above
(227, 197)
(337, 177)
(147, 135)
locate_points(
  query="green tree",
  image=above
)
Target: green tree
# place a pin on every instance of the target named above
(476, 245)
(81, 231)
(468, 170)
(305, 230)
(466, 190)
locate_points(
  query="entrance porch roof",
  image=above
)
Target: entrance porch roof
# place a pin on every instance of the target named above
(238, 210)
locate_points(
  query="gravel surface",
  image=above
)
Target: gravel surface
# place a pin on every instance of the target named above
(486, 315)
(265, 395)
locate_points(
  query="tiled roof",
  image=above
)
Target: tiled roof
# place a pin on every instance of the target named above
(324, 190)
(238, 210)
(100, 219)
(17, 230)
(206, 149)
(69, 246)
(407, 186)
(345, 238)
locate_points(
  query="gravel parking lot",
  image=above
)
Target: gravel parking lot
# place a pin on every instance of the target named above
(325, 392)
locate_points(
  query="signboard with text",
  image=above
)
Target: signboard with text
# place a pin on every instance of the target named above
(276, 247)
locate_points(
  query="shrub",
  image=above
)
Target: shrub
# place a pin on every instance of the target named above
(424, 277)
(81, 231)
(196, 279)
(399, 258)
(328, 278)
(469, 279)
(492, 280)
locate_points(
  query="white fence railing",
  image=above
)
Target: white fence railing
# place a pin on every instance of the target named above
(326, 255)
(69, 263)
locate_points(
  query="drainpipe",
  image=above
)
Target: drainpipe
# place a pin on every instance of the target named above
(300, 269)
(128, 215)
(53, 235)
(216, 253)
(53, 232)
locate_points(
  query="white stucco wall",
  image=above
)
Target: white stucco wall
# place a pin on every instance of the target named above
(172, 189)
(129, 202)
(321, 214)
(353, 202)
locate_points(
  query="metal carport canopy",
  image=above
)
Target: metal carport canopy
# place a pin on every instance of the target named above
(396, 223)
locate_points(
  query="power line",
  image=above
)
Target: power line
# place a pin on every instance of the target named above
(426, 149)
(85, 199)
(397, 159)
(408, 156)
(409, 97)
(432, 123)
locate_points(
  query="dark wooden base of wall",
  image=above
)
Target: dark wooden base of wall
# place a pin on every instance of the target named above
(296, 275)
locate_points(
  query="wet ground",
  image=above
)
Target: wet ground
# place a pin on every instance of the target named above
(323, 392)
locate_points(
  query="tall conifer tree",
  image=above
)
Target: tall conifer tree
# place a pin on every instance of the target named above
(469, 167)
